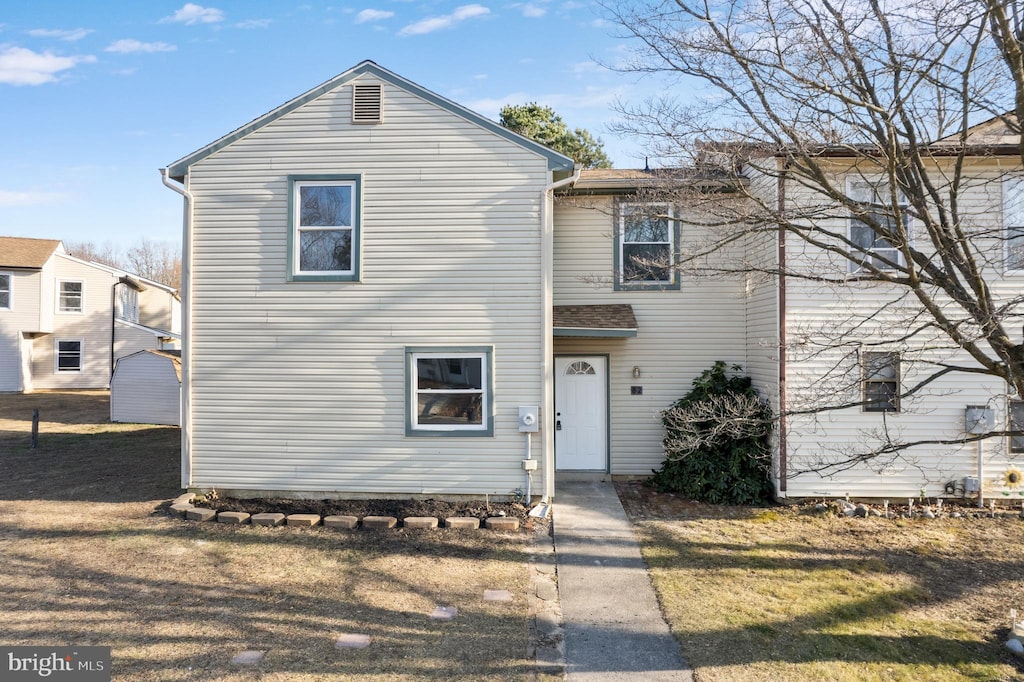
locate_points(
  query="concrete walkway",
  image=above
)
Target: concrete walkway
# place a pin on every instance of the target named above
(613, 626)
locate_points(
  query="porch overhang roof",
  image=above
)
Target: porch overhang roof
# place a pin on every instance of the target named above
(614, 320)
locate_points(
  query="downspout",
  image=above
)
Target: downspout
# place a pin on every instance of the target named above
(186, 328)
(547, 257)
(113, 323)
(782, 332)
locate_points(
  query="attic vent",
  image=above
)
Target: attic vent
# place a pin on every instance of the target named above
(367, 103)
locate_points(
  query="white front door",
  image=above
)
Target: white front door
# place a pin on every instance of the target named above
(581, 413)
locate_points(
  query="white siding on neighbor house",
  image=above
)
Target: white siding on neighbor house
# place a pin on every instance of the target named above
(815, 312)
(92, 326)
(145, 389)
(680, 333)
(301, 386)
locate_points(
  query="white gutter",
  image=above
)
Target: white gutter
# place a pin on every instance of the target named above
(186, 329)
(547, 257)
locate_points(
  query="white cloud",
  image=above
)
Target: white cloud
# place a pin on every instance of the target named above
(69, 35)
(254, 23)
(192, 13)
(130, 45)
(9, 199)
(373, 15)
(533, 12)
(432, 24)
(21, 66)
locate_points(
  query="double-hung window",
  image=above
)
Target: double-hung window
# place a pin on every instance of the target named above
(68, 354)
(645, 244)
(1013, 222)
(6, 293)
(449, 391)
(880, 380)
(70, 296)
(324, 230)
(874, 228)
(1015, 421)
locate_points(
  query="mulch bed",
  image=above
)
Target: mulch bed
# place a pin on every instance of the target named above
(398, 508)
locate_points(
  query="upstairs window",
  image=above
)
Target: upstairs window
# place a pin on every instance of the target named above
(6, 297)
(128, 304)
(1013, 222)
(324, 235)
(645, 243)
(873, 228)
(449, 392)
(70, 296)
(880, 377)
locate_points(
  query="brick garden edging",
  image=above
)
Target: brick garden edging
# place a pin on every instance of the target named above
(182, 507)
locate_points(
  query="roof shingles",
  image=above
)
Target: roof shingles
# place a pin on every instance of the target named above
(21, 252)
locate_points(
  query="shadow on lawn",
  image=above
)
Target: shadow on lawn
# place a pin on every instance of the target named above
(175, 617)
(818, 636)
(107, 466)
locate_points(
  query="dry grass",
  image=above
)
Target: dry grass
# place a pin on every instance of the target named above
(91, 557)
(782, 595)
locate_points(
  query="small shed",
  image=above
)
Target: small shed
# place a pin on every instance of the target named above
(146, 388)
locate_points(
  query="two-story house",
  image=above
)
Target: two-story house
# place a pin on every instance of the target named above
(389, 294)
(64, 322)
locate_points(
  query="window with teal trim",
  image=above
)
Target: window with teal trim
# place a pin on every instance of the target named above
(324, 239)
(645, 246)
(449, 391)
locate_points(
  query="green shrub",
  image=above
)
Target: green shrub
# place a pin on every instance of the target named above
(717, 446)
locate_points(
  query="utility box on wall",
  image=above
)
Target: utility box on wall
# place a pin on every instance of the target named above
(529, 420)
(979, 419)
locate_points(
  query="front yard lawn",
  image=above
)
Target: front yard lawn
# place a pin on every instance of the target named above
(90, 557)
(788, 594)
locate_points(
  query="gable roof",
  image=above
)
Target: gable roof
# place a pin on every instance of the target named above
(23, 252)
(178, 169)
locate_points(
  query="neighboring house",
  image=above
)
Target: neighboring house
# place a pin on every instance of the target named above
(146, 388)
(64, 321)
(382, 282)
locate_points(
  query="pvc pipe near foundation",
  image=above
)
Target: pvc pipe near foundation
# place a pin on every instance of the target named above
(981, 488)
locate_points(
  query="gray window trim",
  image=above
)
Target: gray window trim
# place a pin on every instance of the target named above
(412, 429)
(865, 380)
(296, 181)
(619, 284)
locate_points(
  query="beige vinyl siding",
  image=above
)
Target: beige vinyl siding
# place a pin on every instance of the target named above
(157, 309)
(937, 413)
(300, 386)
(145, 389)
(130, 339)
(92, 326)
(22, 317)
(680, 333)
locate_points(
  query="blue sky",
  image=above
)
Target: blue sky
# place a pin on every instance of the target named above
(95, 97)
